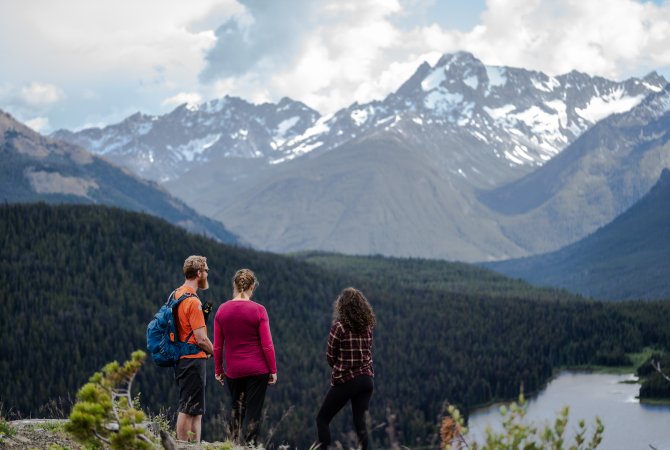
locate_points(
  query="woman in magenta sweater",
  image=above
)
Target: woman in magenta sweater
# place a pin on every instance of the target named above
(242, 334)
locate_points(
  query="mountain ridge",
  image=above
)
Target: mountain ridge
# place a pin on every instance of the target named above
(36, 168)
(624, 259)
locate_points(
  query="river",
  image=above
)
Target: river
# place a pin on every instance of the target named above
(629, 424)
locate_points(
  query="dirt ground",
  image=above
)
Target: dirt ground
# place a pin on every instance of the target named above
(38, 434)
(43, 433)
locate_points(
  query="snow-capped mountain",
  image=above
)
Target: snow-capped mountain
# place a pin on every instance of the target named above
(164, 147)
(598, 177)
(474, 117)
(487, 124)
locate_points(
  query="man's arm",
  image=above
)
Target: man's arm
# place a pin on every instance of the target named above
(203, 341)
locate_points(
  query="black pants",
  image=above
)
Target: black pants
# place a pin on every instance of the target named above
(248, 395)
(359, 390)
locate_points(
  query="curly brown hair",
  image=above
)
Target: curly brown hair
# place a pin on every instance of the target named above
(192, 264)
(353, 311)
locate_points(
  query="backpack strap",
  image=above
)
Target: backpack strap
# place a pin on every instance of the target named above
(176, 306)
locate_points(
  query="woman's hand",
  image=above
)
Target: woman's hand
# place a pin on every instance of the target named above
(272, 379)
(220, 378)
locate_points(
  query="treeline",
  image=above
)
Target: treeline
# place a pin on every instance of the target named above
(81, 282)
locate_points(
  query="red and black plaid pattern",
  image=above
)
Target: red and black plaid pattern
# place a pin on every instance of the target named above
(349, 353)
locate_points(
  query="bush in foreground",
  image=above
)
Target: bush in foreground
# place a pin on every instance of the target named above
(517, 434)
(104, 413)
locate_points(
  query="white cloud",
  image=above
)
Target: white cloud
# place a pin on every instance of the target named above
(613, 39)
(38, 124)
(41, 94)
(356, 51)
(192, 98)
(125, 55)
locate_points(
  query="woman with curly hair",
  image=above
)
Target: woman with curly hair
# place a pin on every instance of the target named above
(350, 356)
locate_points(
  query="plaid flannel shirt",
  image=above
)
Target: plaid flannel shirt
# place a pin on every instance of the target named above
(349, 354)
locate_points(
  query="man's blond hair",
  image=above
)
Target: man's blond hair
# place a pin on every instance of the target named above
(192, 264)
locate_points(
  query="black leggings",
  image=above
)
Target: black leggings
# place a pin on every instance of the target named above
(248, 395)
(359, 390)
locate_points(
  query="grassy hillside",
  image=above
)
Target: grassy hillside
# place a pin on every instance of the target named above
(626, 259)
(82, 282)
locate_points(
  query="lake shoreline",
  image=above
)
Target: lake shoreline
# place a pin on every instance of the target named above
(629, 422)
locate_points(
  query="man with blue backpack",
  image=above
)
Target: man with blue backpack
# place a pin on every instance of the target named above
(177, 336)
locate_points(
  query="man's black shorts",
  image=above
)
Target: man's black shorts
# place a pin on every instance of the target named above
(190, 375)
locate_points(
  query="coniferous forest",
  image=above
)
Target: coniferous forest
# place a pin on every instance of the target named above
(80, 283)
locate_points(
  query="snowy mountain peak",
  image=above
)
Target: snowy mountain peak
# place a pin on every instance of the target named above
(164, 147)
(485, 123)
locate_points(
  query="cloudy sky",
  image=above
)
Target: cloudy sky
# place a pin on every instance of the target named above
(80, 63)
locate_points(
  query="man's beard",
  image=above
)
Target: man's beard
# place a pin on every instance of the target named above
(203, 284)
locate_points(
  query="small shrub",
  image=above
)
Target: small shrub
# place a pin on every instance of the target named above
(6, 430)
(518, 434)
(98, 419)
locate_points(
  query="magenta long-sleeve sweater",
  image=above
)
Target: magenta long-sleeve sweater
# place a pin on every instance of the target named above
(242, 334)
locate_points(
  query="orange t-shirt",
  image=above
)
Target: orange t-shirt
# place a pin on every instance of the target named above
(189, 318)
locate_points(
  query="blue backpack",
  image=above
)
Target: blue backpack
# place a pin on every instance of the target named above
(162, 338)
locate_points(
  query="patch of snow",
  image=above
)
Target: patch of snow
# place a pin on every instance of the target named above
(286, 125)
(442, 101)
(652, 87)
(512, 158)
(417, 120)
(240, 134)
(320, 127)
(498, 113)
(574, 128)
(600, 107)
(460, 171)
(480, 136)
(195, 147)
(298, 151)
(359, 116)
(434, 79)
(472, 82)
(106, 148)
(384, 120)
(144, 128)
(561, 108)
(521, 152)
(466, 114)
(539, 121)
(546, 86)
(280, 132)
(496, 76)
(193, 107)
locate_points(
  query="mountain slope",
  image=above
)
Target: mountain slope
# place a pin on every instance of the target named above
(626, 259)
(374, 195)
(600, 175)
(35, 168)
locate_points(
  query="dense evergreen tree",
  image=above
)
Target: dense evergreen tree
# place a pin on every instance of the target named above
(81, 283)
